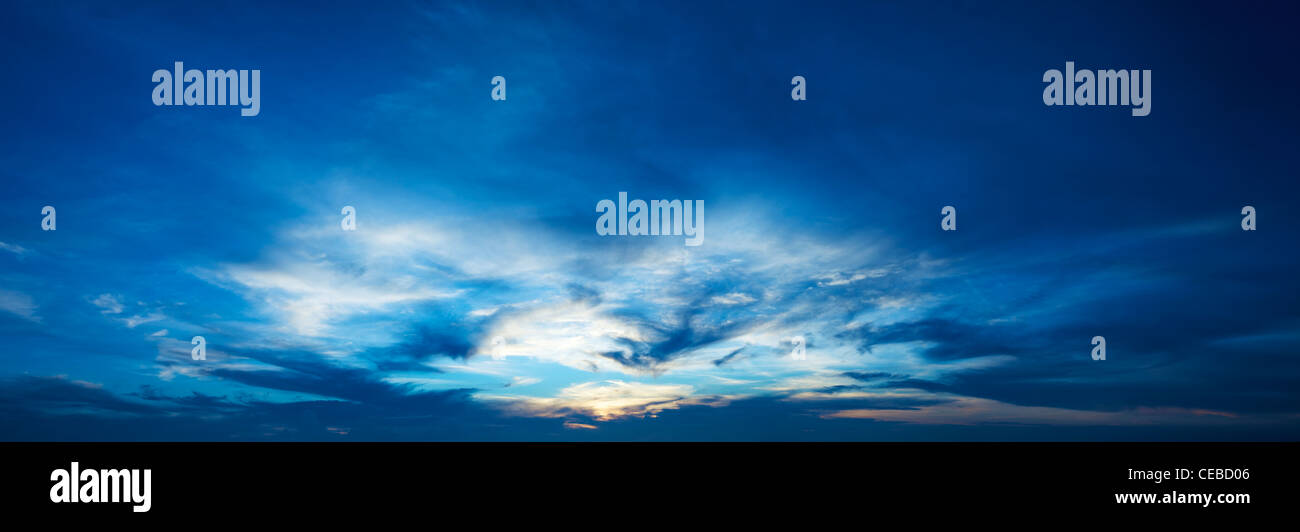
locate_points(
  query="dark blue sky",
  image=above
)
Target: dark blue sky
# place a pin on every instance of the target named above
(476, 302)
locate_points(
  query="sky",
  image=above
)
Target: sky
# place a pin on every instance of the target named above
(476, 301)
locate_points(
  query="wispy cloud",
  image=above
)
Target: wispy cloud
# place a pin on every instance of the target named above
(13, 248)
(18, 304)
(108, 303)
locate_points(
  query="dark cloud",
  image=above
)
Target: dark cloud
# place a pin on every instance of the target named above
(61, 394)
(424, 343)
(867, 376)
(728, 357)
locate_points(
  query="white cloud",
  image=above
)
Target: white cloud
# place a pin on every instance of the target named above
(571, 333)
(13, 248)
(523, 381)
(134, 321)
(18, 304)
(108, 304)
(175, 358)
(734, 298)
(311, 294)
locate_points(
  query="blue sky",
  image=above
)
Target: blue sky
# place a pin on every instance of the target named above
(476, 302)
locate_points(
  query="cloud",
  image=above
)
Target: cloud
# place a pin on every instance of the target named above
(13, 248)
(108, 304)
(607, 400)
(134, 321)
(18, 304)
(314, 294)
(978, 411)
(518, 381)
(58, 408)
(175, 358)
(577, 334)
(734, 298)
(60, 395)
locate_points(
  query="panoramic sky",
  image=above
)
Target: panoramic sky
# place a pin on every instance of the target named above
(476, 301)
